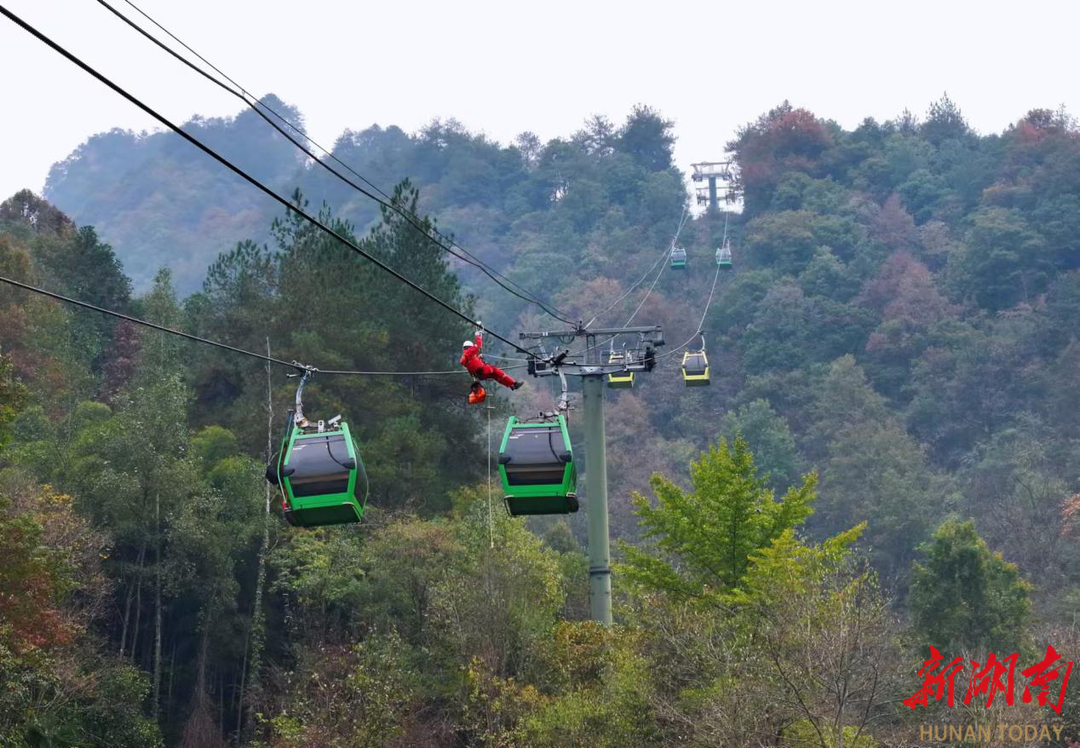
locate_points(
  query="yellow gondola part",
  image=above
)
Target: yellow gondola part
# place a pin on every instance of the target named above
(695, 369)
(619, 379)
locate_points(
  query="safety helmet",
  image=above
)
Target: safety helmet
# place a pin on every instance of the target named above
(468, 344)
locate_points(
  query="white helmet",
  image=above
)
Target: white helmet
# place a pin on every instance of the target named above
(468, 344)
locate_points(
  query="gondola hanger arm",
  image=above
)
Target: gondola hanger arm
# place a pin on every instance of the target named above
(304, 372)
(563, 405)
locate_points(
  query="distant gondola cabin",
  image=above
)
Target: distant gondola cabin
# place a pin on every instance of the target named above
(723, 255)
(695, 369)
(537, 468)
(619, 379)
(678, 258)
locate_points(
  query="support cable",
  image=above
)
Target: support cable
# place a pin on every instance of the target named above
(701, 323)
(647, 293)
(447, 244)
(663, 255)
(145, 323)
(206, 341)
(708, 302)
(491, 522)
(244, 175)
(667, 253)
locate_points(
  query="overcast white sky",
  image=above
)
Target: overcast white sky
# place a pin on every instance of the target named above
(505, 67)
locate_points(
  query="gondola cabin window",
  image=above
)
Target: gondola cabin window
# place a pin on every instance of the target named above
(537, 468)
(318, 466)
(695, 369)
(538, 457)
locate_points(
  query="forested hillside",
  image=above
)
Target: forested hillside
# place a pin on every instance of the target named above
(159, 201)
(887, 459)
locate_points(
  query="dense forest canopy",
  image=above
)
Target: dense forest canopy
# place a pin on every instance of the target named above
(887, 460)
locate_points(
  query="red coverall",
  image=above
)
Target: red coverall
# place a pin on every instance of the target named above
(471, 360)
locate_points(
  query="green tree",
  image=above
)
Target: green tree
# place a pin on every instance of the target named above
(86, 268)
(647, 137)
(604, 696)
(827, 276)
(944, 121)
(1015, 483)
(57, 686)
(965, 597)
(28, 212)
(12, 399)
(823, 626)
(358, 696)
(783, 241)
(705, 539)
(871, 469)
(769, 438)
(497, 600)
(791, 330)
(1006, 261)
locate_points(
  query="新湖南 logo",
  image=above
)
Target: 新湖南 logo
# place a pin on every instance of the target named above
(1046, 680)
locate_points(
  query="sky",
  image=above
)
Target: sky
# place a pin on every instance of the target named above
(505, 67)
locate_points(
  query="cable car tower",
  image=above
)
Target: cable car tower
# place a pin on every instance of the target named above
(711, 171)
(593, 365)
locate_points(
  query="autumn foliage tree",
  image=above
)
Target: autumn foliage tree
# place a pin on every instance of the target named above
(785, 139)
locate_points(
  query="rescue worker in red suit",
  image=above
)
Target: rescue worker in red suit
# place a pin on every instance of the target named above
(474, 362)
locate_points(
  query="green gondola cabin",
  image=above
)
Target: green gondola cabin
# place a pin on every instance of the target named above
(723, 255)
(678, 258)
(321, 476)
(537, 468)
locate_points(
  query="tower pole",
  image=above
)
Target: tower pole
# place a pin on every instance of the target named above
(592, 386)
(591, 367)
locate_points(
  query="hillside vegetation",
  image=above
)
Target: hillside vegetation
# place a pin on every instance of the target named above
(887, 458)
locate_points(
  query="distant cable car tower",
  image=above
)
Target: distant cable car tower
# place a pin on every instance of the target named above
(711, 171)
